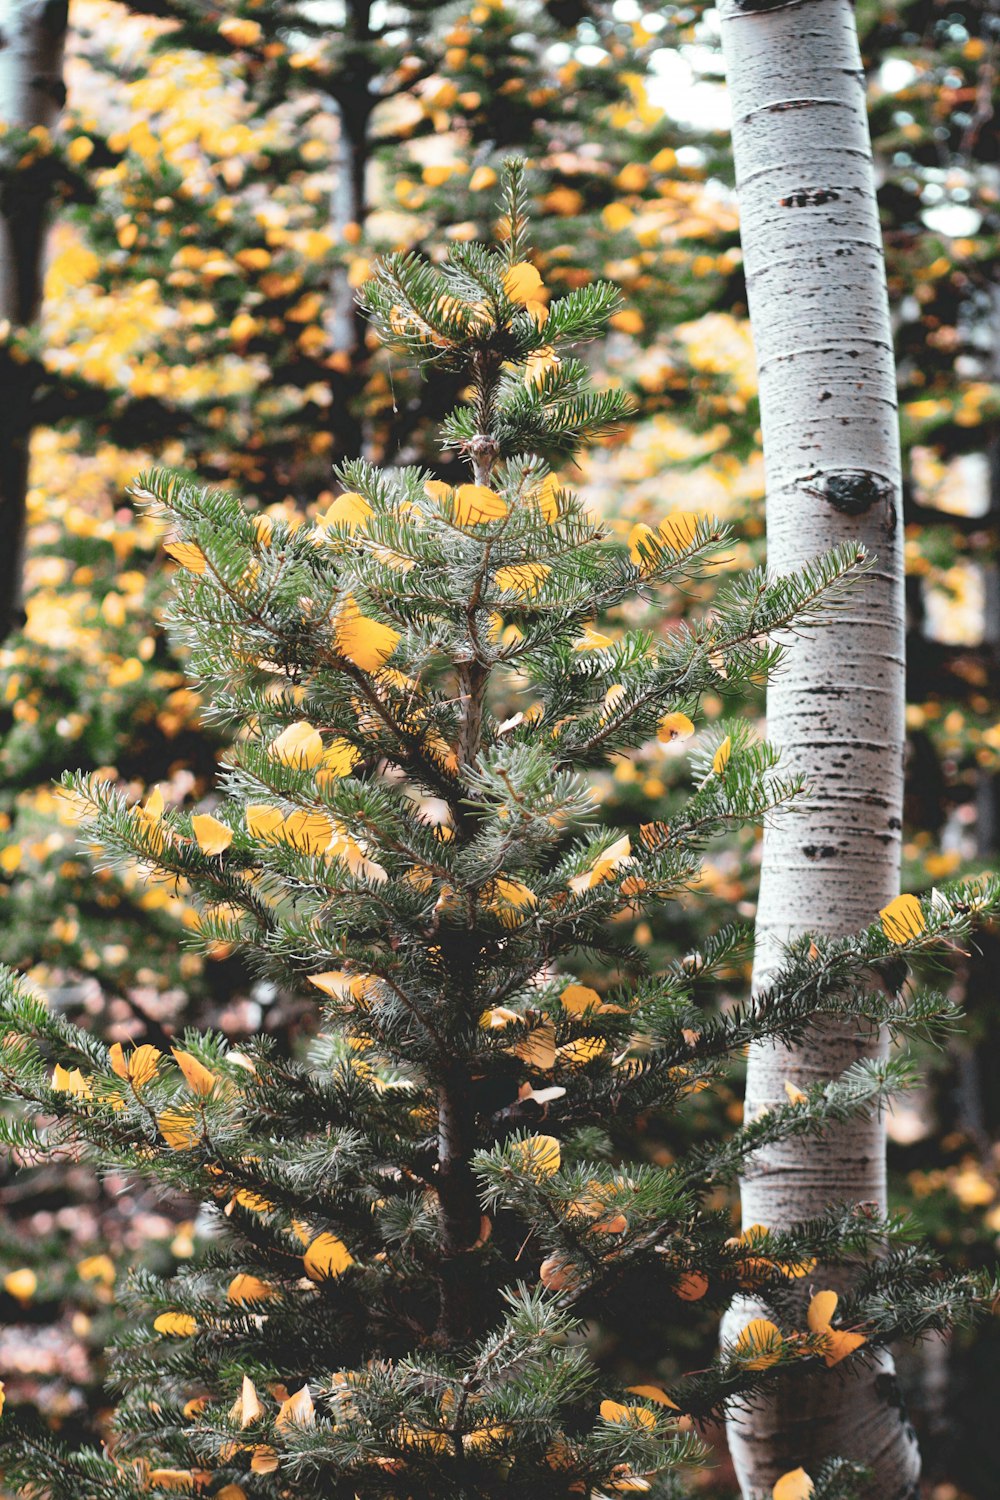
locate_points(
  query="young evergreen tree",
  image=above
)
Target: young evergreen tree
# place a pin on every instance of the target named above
(409, 1228)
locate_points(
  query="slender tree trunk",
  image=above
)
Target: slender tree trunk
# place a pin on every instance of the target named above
(352, 103)
(819, 311)
(32, 38)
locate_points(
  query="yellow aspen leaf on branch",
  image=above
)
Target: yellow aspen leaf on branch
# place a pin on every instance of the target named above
(674, 727)
(795, 1485)
(522, 283)
(759, 1345)
(70, 1081)
(838, 1343)
(538, 1156)
(653, 1393)
(246, 1408)
(538, 1048)
(603, 867)
(546, 497)
(138, 1067)
(627, 1416)
(309, 831)
(523, 579)
(297, 1411)
(211, 836)
(264, 822)
(350, 510)
(367, 643)
(299, 746)
(327, 1256)
(903, 919)
(197, 1077)
(176, 1325)
(720, 759)
(245, 1289)
(188, 554)
(474, 503)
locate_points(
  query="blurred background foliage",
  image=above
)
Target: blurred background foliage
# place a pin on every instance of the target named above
(218, 183)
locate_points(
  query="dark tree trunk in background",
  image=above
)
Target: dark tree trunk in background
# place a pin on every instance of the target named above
(32, 92)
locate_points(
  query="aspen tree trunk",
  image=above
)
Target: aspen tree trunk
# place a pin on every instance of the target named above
(819, 312)
(32, 38)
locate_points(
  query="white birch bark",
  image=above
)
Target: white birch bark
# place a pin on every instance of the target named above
(820, 319)
(32, 39)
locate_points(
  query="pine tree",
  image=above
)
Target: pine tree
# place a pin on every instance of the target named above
(409, 1228)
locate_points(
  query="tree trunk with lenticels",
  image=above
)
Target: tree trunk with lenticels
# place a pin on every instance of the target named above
(32, 40)
(819, 312)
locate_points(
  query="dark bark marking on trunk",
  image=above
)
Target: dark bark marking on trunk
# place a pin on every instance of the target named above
(853, 492)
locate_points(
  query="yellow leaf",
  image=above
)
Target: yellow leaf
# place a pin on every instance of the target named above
(97, 1268)
(300, 746)
(197, 1077)
(3, 1397)
(821, 1311)
(180, 1128)
(183, 1481)
(474, 503)
(240, 32)
(577, 998)
(674, 727)
(327, 1257)
(247, 1407)
(840, 1344)
(481, 179)
(245, 1289)
(759, 1345)
(334, 982)
(349, 510)
(523, 579)
(21, 1284)
(116, 1057)
(538, 1156)
(546, 497)
(297, 1411)
(340, 757)
(509, 897)
(627, 1416)
(142, 1065)
(522, 283)
(592, 640)
(211, 836)
(680, 530)
(795, 1095)
(70, 1081)
(538, 1048)
(231, 1492)
(265, 1460)
(188, 554)
(903, 919)
(365, 642)
(583, 1050)
(264, 822)
(653, 1393)
(692, 1286)
(308, 831)
(720, 759)
(178, 1325)
(603, 867)
(643, 545)
(795, 1485)
(438, 491)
